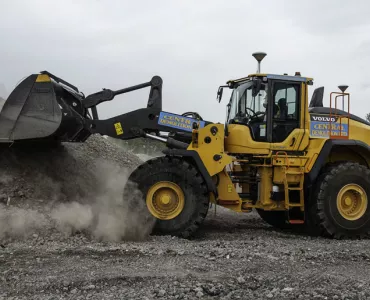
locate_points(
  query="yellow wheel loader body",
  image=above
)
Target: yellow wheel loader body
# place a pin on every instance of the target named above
(296, 162)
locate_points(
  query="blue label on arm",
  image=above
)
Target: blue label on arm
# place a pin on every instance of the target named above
(178, 122)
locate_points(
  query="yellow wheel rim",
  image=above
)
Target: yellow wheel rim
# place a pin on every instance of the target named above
(352, 202)
(165, 200)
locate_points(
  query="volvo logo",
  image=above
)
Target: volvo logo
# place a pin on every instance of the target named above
(322, 118)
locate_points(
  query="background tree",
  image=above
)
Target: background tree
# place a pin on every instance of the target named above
(367, 117)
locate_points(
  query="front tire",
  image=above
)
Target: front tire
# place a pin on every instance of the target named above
(174, 193)
(340, 204)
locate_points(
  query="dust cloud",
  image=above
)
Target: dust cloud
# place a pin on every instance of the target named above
(19, 223)
(107, 216)
(98, 209)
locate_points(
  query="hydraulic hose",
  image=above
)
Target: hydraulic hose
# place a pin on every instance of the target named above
(170, 142)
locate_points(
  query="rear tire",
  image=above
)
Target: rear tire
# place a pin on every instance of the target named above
(182, 177)
(336, 208)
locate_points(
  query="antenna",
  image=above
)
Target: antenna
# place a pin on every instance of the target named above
(259, 56)
(343, 88)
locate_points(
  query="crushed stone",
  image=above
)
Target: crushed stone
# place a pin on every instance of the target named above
(65, 234)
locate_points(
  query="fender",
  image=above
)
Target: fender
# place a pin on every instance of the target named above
(211, 186)
(325, 152)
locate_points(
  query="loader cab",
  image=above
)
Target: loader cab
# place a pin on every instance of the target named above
(269, 105)
(247, 106)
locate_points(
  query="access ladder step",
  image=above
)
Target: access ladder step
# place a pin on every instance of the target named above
(296, 221)
(294, 188)
(295, 205)
(294, 172)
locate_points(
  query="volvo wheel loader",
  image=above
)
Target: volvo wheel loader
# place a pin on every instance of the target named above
(297, 163)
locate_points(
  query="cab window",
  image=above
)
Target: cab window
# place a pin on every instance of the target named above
(285, 110)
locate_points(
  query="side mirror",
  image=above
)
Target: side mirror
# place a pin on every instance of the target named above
(219, 93)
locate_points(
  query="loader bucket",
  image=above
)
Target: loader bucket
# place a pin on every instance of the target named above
(41, 109)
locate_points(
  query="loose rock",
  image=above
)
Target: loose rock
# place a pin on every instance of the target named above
(90, 255)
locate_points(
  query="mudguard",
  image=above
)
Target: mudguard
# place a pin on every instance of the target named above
(325, 152)
(211, 186)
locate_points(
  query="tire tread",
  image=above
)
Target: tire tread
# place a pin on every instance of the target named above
(193, 178)
(319, 222)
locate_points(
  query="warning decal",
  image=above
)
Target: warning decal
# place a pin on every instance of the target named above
(118, 128)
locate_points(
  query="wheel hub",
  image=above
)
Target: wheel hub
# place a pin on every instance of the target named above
(348, 201)
(352, 202)
(165, 200)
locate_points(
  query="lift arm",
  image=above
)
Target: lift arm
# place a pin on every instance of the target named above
(144, 122)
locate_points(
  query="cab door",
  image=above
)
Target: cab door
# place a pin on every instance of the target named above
(286, 126)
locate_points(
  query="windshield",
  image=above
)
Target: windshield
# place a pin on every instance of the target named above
(244, 104)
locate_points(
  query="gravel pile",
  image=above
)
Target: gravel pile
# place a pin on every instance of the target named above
(65, 235)
(2, 101)
(69, 171)
(73, 188)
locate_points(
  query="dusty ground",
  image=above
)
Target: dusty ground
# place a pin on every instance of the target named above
(58, 247)
(233, 257)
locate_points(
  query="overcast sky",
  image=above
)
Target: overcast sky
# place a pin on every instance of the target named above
(195, 46)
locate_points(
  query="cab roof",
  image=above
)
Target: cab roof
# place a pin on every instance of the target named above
(273, 76)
